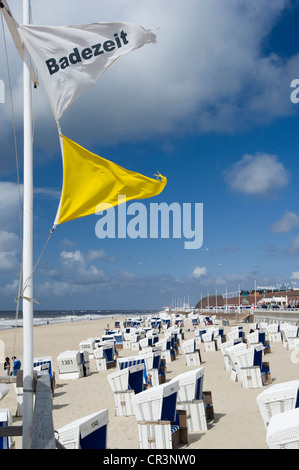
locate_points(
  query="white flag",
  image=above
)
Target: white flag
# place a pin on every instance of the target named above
(69, 59)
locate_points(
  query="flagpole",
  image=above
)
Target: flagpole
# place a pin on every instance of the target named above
(27, 248)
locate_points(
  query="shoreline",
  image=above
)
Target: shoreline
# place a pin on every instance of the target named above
(79, 317)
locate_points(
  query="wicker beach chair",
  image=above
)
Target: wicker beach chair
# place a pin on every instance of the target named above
(277, 399)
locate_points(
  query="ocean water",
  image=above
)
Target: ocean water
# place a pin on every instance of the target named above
(42, 317)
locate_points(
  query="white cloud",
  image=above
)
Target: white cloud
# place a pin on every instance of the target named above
(9, 205)
(9, 241)
(9, 261)
(9, 251)
(295, 275)
(198, 271)
(48, 192)
(93, 255)
(288, 222)
(76, 267)
(257, 174)
(71, 257)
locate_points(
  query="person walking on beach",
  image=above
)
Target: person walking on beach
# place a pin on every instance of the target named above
(7, 366)
(16, 365)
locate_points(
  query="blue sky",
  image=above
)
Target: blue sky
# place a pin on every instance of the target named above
(209, 107)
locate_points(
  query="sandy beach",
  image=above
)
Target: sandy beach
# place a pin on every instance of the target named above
(237, 421)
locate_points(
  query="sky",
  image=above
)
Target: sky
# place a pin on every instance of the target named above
(211, 106)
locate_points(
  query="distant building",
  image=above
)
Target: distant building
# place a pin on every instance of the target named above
(250, 298)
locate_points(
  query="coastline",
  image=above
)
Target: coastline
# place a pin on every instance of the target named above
(237, 423)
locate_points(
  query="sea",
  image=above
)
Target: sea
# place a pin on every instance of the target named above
(9, 319)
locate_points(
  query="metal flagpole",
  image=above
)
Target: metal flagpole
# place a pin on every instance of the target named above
(27, 248)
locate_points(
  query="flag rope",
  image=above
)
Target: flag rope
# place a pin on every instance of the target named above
(20, 290)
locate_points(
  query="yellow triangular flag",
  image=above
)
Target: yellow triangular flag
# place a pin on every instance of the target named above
(89, 180)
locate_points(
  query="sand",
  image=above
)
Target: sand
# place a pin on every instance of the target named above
(237, 421)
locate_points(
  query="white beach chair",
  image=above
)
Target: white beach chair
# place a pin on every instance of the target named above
(231, 353)
(192, 353)
(157, 418)
(170, 335)
(253, 372)
(125, 383)
(166, 350)
(277, 399)
(88, 345)
(89, 432)
(259, 336)
(283, 430)
(209, 341)
(70, 365)
(289, 334)
(105, 355)
(6, 442)
(224, 346)
(191, 398)
(253, 326)
(274, 333)
(118, 338)
(134, 342)
(154, 374)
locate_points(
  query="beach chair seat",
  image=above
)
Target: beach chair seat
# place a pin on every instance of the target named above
(277, 399)
(89, 432)
(6, 442)
(283, 430)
